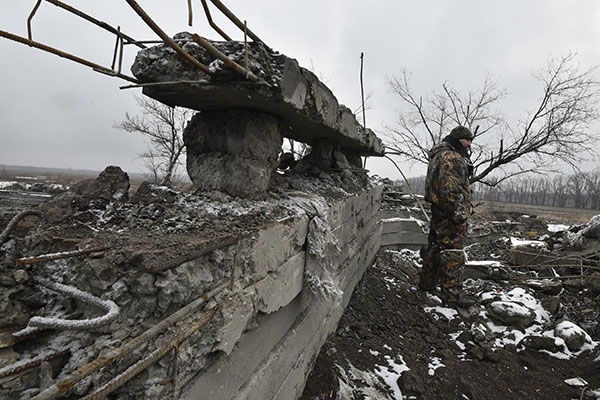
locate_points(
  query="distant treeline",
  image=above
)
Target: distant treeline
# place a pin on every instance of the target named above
(579, 190)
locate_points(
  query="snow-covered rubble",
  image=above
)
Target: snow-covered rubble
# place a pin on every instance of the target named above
(537, 314)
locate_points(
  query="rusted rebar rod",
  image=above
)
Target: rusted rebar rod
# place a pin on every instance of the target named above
(95, 21)
(168, 41)
(30, 17)
(190, 14)
(153, 357)
(89, 368)
(211, 22)
(59, 256)
(236, 21)
(79, 60)
(21, 366)
(215, 52)
(224, 242)
(15, 220)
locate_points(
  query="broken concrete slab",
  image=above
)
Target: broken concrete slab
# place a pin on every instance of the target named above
(308, 109)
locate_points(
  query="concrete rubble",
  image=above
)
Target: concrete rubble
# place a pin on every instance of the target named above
(159, 250)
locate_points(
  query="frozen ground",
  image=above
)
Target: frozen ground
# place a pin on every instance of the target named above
(534, 333)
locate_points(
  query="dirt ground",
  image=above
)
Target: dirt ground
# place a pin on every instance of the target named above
(396, 342)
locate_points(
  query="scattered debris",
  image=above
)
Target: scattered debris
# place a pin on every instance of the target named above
(536, 324)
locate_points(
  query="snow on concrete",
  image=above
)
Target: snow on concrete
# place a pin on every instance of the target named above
(558, 227)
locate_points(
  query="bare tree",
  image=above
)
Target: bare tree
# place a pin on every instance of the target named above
(163, 126)
(560, 128)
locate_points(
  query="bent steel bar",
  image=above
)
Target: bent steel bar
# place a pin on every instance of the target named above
(31, 14)
(170, 42)
(237, 22)
(94, 21)
(215, 52)
(68, 56)
(211, 22)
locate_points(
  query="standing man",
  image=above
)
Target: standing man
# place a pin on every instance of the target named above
(448, 190)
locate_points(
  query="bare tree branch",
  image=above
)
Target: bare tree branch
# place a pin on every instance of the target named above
(559, 130)
(163, 126)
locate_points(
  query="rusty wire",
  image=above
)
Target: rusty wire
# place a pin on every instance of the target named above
(144, 363)
(15, 220)
(168, 41)
(89, 368)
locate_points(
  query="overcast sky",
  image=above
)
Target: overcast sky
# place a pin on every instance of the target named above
(55, 113)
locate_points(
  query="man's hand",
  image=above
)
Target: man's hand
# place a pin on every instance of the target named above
(462, 227)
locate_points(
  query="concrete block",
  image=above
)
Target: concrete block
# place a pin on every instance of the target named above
(294, 87)
(304, 340)
(229, 372)
(403, 239)
(236, 311)
(281, 286)
(275, 244)
(401, 226)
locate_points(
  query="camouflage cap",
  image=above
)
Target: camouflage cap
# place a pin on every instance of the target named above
(460, 132)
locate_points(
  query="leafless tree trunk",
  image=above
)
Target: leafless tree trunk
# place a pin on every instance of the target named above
(163, 126)
(559, 130)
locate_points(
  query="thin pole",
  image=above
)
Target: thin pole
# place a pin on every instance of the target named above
(362, 90)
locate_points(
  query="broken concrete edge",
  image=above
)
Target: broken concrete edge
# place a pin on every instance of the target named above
(307, 108)
(274, 355)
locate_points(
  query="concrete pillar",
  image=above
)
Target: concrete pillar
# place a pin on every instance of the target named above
(232, 151)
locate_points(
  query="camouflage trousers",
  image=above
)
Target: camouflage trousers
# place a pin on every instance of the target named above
(443, 258)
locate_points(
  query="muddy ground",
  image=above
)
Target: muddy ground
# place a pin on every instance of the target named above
(397, 342)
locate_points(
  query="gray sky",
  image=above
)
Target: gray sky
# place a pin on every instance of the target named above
(55, 113)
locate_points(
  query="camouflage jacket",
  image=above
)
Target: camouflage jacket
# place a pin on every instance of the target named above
(447, 185)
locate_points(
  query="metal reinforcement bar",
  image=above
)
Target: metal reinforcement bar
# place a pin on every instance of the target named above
(211, 22)
(66, 383)
(153, 357)
(229, 62)
(79, 60)
(236, 21)
(170, 42)
(34, 362)
(15, 220)
(94, 21)
(59, 256)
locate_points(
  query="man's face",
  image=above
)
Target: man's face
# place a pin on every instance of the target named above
(465, 142)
